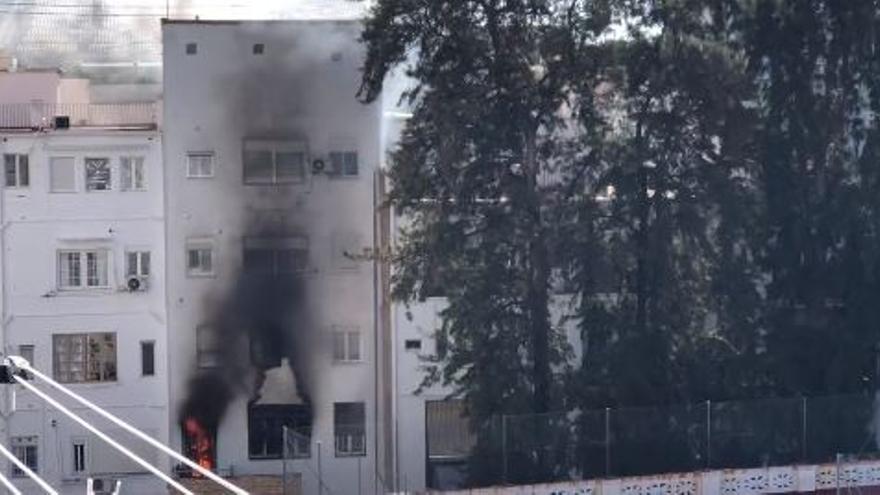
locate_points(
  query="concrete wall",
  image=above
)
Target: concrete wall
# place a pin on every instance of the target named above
(303, 87)
(28, 87)
(36, 223)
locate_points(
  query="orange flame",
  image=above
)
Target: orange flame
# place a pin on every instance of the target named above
(200, 443)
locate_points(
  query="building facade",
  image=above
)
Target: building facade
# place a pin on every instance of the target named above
(273, 300)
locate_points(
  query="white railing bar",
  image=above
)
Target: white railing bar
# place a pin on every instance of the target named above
(32, 475)
(134, 431)
(113, 443)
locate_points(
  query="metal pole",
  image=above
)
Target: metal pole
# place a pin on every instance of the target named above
(708, 434)
(359, 476)
(21, 363)
(804, 429)
(607, 442)
(837, 489)
(320, 473)
(284, 460)
(504, 449)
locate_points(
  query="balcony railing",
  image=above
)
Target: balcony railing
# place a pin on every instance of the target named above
(43, 115)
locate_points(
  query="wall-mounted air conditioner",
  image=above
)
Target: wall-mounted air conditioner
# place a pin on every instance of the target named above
(318, 166)
(102, 486)
(136, 283)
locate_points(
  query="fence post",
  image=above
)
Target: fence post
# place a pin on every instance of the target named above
(320, 471)
(708, 434)
(504, 449)
(804, 429)
(607, 442)
(284, 460)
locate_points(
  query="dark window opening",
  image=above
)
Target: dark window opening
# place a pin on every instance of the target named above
(259, 48)
(267, 425)
(413, 344)
(148, 358)
(191, 48)
(349, 429)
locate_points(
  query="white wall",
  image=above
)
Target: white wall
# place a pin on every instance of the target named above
(36, 223)
(27, 87)
(215, 99)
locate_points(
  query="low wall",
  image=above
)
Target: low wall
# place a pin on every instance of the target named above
(861, 476)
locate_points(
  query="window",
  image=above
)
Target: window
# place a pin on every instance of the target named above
(192, 48)
(27, 351)
(344, 163)
(348, 428)
(79, 456)
(16, 170)
(275, 255)
(70, 269)
(273, 162)
(346, 345)
(148, 358)
(266, 428)
(259, 48)
(200, 258)
(200, 164)
(25, 449)
(98, 174)
(131, 173)
(207, 348)
(84, 357)
(137, 263)
(412, 344)
(62, 174)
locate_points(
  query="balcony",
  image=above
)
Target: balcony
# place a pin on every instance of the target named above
(39, 116)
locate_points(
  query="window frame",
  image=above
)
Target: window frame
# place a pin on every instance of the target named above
(295, 245)
(25, 443)
(148, 344)
(31, 349)
(348, 444)
(345, 334)
(81, 467)
(208, 354)
(201, 244)
(201, 154)
(132, 163)
(18, 158)
(83, 269)
(86, 365)
(86, 171)
(139, 255)
(342, 171)
(274, 148)
(281, 414)
(73, 188)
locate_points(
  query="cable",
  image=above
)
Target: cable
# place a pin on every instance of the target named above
(134, 431)
(9, 486)
(113, 443)
(32, 475)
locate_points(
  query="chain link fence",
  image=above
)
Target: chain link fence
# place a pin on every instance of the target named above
(617, 442)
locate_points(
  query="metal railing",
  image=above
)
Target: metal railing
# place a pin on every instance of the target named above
(42, 115)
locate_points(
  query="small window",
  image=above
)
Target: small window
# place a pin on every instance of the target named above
(192, 48)
(137, 264)
(27, 351)
(16, 170)
(273, 162)
(98, 176)
(71, 274)
(200, 164)
(84, 357)
(349, 429)
(207, 347)
(259, 48)
(79, 456)
(131, 173)
(148, 358)
(344, 163)
(62, 174)
(200, 259)
(25, 449)
(346, 345)
(412, 344)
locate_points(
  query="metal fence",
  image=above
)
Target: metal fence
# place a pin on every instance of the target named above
(653, 440)
(42, 115)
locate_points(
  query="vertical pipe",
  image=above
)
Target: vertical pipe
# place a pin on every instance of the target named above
(284, 459)
(320, 472)
(504, 449)
(837, 477)
(803, 429)
(359, 476)
(607, 442)
(708, 434)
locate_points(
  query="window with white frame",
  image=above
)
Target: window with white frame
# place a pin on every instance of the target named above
(98, 175)
(25, 449)
(200, 164)
(84, 357)
(346, 344)
(200, 258)
(349, 429)
(275, 256)
(62, 174)
(83, 269)
(16, 170)
(79, 456)
(132, 176)
(273, 162)
(207, 347)
(344, 163)
(137, 263)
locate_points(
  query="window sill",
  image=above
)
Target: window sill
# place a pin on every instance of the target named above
(79, 291)
(200, 176)
(348, 362)
(351, 454)
(201, 275)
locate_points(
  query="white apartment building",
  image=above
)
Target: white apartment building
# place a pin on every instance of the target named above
(81, 273)
(274, 314)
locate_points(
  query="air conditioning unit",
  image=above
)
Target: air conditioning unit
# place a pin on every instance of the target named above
(136, 283)
(318, 166)
(62, 122)
(102, 486)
